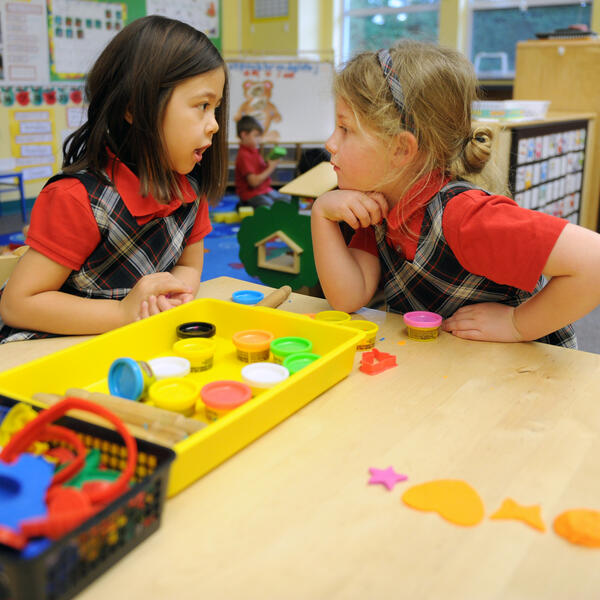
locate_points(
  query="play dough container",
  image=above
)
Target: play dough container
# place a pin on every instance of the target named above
(198, 351)
(178, 394)
(370, 329)
(195, 329)
(221, 397)
(332, 316)
(295, 362)
(169, 366)
(130, 379)
(253, 345)
(422, 325)
(264, 375)
(283, 347)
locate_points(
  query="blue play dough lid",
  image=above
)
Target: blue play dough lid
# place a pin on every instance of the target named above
(247, 296)
(125, 379)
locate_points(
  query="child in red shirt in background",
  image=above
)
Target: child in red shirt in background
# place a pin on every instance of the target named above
(252, 172)
(118, 235)
(403, 149)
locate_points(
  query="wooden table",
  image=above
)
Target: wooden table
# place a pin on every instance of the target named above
(292, 517)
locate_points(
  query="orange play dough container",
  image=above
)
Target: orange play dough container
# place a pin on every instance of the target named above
(253, 345)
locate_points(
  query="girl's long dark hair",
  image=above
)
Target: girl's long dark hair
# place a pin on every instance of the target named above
(135, 75)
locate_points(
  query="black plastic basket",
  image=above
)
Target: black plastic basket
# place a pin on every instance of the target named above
(69, 564)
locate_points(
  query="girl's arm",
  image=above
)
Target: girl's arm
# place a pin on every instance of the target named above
(348, 277)
(187, 270)
(31, 299)
(255, 179)
(189, 266)
(573, 290)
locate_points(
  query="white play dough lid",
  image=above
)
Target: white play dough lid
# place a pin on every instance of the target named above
(169, 366)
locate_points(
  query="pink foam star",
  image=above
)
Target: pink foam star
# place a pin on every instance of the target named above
(387, 477)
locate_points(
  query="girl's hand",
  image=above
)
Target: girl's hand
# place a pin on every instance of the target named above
(488, 321)
(358, 209)
(153, 294)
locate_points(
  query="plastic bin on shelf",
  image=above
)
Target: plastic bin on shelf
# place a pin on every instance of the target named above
(510, 110)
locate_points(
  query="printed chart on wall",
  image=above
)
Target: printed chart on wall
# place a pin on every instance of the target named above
(23, 42)
(201, 14)
(78, 32)
(292, 100)
(33, 142)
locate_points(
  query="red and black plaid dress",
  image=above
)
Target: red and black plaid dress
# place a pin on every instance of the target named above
(126, 252)
(435, 281)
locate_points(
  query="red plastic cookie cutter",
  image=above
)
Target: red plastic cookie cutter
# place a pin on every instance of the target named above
(375, 362)
(69, 507)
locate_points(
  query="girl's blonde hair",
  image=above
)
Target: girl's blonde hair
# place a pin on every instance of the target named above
(438, 86)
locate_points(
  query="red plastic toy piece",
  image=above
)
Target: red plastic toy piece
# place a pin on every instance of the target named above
(375, 362)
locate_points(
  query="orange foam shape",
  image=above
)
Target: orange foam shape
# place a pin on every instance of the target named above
(579, 526)
(454, 500)
(530, 515)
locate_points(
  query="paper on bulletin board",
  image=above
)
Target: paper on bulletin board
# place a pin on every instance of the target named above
(201, 14)
(24, 43)
(33, 142)
(292, 100)
(78, 32)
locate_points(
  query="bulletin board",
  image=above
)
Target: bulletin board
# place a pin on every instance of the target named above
(292, 100)
(46, 48)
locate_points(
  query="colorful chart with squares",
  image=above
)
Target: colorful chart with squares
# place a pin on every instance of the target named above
(78, 31)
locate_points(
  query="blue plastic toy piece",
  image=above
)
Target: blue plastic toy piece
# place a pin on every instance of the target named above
(23, 487)
(247, 296)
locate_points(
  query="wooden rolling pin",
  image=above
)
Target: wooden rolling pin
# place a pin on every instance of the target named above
(164, 438)
(276, 298)
(138, 413)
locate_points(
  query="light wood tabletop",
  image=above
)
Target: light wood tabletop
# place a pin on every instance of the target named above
(292, 515)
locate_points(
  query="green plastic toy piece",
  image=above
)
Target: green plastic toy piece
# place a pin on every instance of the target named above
(276, 152)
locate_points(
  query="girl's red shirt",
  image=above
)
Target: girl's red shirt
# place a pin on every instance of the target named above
(63, 227)
(490, 235)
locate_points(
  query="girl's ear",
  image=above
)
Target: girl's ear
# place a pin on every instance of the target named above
(128, 116)
(404, 148)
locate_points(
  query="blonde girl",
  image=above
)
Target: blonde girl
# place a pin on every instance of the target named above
(406, 157)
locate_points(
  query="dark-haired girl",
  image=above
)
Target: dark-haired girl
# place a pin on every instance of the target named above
(118, 234)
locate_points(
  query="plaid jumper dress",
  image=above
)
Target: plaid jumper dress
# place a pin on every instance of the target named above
(126, 252)
(436, 281)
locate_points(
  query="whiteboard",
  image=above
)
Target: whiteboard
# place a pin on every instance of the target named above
(292, 100)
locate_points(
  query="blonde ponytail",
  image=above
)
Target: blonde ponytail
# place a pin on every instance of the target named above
(478, 149)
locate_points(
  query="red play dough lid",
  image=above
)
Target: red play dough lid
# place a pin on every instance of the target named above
(225, 395)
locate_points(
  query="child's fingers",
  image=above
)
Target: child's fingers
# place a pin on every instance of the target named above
(153, 305)
(144, 314)
(162, 283)
(163, 303)
(381, 202)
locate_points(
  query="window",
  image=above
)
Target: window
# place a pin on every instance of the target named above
(374, 24)
(497, 26)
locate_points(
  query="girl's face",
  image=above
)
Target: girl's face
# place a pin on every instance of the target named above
(360, 159)
(189, 122)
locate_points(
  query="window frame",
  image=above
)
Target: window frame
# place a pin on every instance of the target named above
(480, 5)
(343, 47)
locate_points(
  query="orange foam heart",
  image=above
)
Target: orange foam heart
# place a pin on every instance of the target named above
(454, 500)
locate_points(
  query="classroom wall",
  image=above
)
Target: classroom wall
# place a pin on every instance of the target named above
(307, 32)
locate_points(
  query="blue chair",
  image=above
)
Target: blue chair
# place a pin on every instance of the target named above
(15, 183)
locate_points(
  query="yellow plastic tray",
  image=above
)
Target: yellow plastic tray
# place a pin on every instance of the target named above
(86, 366)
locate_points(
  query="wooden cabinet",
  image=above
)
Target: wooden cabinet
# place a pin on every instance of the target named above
(566, 72)
(545, 164)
